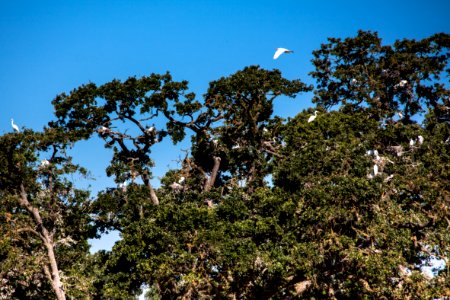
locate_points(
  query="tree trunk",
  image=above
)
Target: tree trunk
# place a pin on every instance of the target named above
(46, 237)
(55, 278)
(212, 179)
(153, 195)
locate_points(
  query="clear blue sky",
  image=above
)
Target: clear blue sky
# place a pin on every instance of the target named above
(49, 47)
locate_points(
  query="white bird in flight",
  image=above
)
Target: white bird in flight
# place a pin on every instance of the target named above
(14, 126)
(312, 118)
(280, 51)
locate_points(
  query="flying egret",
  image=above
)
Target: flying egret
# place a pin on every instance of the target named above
(312, 118)
(420, 139)
(280, 51)
(14, 126)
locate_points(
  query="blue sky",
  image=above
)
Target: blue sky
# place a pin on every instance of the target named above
(50, 47)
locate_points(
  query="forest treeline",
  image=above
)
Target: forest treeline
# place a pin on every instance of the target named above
(349, 199)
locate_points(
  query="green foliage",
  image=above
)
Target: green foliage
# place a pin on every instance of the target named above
(360, 72)
(359, 199)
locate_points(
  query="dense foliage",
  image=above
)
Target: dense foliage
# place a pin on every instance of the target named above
(357, 204)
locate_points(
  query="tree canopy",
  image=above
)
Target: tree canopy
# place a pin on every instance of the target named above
(350, 205)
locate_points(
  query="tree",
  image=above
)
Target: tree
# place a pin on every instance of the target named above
(359, 200)
(246, 139)
(109, 108)
(361, 73)
(45, 220)
(367, 229)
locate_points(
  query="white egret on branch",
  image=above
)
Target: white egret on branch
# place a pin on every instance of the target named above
(420, 139)
(176, 186)
(14, 126)
(312, 118)
(375, 153)
(354, 81)
(150, 130)
(280, 51)
(402, 83)
(389, 178)
(182, 180)
(123, 186)
(411, 142)
(103, 130)
(45, 163)
(375, 170)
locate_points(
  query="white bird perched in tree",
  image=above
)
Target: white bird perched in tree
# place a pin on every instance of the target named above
(312, 118)
(369, 152)
(375, 153)
(402, 83)
(353, 81)
(150, 130)
(375, 170)
(45, 163)
(400, 114)
(103, 130)
(176, 186)
(182, 180)
(411, 142)
(280, 51)
(389, 178)
(420, 139)
(14, 126)
(123, 186)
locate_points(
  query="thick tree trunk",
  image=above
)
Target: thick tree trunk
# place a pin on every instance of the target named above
(53, 273)
(55, 278)
(212, 179)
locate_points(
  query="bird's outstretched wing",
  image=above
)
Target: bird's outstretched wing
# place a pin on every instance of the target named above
(280, 51)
